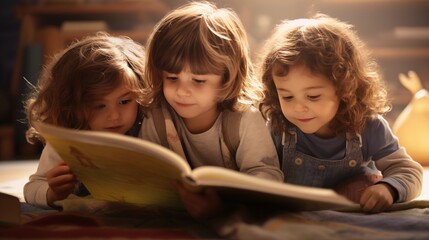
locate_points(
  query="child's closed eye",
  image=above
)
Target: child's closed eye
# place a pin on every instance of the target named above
(125, 101)
(171, 78)
(199, 81)
(99, 106)
(287, 98)
(313, 97)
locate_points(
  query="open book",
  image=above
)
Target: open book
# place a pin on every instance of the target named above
(116, 167)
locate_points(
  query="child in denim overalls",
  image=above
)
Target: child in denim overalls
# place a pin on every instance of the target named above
(324, 100)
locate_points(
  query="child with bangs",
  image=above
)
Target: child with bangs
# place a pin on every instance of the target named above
(199, 70)
(324, 102)
(94, 84)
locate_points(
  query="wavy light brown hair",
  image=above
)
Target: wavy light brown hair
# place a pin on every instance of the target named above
(85, 71)
(330, 47)
(209, 40)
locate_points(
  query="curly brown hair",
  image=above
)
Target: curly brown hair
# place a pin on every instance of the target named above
(209, 40)
(86, 70)
(330, 47)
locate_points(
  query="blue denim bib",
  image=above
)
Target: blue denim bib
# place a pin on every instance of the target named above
(303, 169)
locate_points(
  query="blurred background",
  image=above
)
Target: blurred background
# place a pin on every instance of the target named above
(31, 31)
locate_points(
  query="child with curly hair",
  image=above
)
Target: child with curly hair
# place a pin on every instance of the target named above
(324, 102)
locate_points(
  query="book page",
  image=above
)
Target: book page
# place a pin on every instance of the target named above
(119, 168)
(263, 191)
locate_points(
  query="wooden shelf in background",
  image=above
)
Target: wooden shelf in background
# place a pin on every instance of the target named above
(401, 53)
(139, 36)
(110, 8)
(42, 25)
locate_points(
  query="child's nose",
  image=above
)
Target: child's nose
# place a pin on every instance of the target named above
(114, 114)
(299, 107)
(183, 90)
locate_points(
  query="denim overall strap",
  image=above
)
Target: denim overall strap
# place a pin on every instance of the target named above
(303, 169)
(289, 146)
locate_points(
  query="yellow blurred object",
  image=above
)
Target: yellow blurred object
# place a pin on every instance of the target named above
(412, 125)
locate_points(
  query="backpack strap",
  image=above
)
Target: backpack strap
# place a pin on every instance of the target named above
(159, 121)
(166, 130)
(230, 131)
